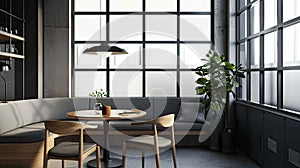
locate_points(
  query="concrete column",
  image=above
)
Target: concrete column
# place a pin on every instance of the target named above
(56, 48)
(220, 26)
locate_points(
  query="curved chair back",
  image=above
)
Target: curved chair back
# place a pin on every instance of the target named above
(63, 127)
(165, 121)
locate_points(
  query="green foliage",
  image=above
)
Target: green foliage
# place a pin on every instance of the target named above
(218, 77)
(98, 93)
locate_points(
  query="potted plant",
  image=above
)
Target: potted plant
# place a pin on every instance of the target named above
(218, 79)
(98, 94)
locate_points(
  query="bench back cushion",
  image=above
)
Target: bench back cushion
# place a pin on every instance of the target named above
(9, 117)
(38, 110)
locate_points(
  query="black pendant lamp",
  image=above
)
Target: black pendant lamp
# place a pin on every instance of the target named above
(105, 48)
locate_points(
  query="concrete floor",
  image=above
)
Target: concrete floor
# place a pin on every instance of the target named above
(187, 157)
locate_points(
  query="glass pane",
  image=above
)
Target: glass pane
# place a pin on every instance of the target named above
(291, 9)
(188, 84)
(128, 5)
(160, 84)
(161, 27)
(243, 87)
(254, 18)
(87, 82)
(243, 55)
(158, 5)
(191, 54)
(91, 6)
(291, 43)
(255, 48)
(161, 56)
(90, 28)
(126, 84)
(243, 25)
(195, 28)
(87, 61)
(126, 28)
(271, 87)
(131, 60)
(291, 92)
(255, 87)
(242, 3)
(270, 53)
(270, 13)
(195, 6)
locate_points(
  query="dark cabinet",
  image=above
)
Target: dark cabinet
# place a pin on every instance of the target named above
(255, 135)
(273, 141)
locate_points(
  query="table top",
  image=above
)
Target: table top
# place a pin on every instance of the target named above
(116, 114)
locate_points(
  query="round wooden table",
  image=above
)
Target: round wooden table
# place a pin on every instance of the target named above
(116, 115)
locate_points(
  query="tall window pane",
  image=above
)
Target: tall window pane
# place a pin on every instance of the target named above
(291, 9)
(243, 55)
(291, 92)
(161, 84)
(161, 56)
(195, 28)
(161, 6)
(254, 18)
(125, 5)
(90, 27)
(195, 5)
(243, 25)
(291, 43)
(91, 6)
(255, 87)
(87, 82)
(131, 84)
(161, 28)
(270, 13)
(271, 88)
(188, 84)
(270, 55)
(255, 48)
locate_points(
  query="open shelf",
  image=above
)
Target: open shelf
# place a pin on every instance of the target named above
(5, 55)
(7, 36)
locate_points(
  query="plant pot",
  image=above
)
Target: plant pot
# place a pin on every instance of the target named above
(228, 141)
(106, 110)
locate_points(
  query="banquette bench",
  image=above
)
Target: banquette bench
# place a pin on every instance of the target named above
(22, 128)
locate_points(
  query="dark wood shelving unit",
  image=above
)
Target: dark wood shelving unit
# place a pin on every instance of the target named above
(12, 45)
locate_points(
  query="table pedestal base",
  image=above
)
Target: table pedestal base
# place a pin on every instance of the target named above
(112, 163)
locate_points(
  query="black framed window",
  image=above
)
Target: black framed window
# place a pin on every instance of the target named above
(268, 33)
(165, 40)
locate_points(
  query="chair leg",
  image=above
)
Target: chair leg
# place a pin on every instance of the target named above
(98, 156)
(63, 163)
(45, 162)
(143, 158)
(80, 163)
(157, 160)
(123, 155)
(174, 156)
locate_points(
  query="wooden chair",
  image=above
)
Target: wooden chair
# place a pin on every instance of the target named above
(69, 150)
(149, 142)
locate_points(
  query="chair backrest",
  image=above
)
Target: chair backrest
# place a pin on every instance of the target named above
(63, 127)
(165, 121)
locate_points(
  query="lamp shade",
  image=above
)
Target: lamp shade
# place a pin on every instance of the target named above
(105, 48)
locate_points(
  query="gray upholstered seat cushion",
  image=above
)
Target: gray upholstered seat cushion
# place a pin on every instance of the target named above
(27, 134)
(148, 140)
(69, 149)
